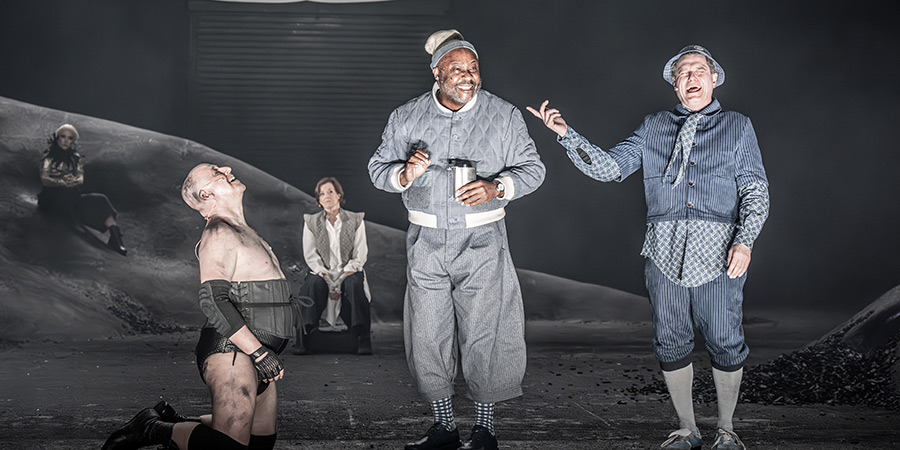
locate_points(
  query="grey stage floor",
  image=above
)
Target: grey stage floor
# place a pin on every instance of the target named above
(71, 395)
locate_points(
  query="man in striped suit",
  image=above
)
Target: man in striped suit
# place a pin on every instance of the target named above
(707, 199)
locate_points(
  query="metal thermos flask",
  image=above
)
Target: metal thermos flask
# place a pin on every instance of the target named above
(462, 171)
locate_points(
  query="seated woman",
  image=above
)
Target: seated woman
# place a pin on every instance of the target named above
(62, 174)
(335, 249)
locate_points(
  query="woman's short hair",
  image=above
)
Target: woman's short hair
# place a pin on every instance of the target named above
(337, 188)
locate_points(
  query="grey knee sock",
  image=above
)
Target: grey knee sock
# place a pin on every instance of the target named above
(680, 384)
(728, 386)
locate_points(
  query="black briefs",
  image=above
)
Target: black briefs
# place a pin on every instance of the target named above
(211, 342)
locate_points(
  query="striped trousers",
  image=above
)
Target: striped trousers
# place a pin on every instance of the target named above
(715, 308)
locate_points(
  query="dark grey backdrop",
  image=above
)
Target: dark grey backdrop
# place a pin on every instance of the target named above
(817, 78)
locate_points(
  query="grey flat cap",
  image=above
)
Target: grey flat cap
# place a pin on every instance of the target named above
(667, 70)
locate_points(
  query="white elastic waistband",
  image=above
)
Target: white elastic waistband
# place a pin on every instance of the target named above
(423, 219)
(473, 220)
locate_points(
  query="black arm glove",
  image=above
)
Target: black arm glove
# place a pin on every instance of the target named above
(215, 302)
(268, 367)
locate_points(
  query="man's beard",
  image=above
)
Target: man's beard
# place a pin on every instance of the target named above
(449, 91)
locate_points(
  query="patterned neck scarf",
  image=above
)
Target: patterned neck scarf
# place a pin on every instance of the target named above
(683, 146)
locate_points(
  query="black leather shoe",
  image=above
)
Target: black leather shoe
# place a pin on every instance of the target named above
(436, 438)
(167, 413)
(481, 439)
(115, 240)
(146, 428)
(299, 345)
(364, 344)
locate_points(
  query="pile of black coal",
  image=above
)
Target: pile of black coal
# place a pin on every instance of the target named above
(827, 372)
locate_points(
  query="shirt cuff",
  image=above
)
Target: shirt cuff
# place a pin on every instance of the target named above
(572, 142)
(743, 239)
(509, 188)
(571, 134)
(395, 179)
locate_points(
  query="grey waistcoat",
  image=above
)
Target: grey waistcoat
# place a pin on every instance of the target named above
(350, 222)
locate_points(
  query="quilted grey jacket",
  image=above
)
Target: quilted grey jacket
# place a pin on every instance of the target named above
(488, 130)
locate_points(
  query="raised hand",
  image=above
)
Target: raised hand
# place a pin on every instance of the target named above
(552, 118)
(415, 167)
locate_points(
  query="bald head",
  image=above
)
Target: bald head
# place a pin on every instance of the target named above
(209, 188)
(193, 185)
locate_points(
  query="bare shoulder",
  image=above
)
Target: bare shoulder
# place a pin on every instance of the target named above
(218, 251)
(219, 234)
(235, 252)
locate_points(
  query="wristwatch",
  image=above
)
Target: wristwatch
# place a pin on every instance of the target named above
(501, 189)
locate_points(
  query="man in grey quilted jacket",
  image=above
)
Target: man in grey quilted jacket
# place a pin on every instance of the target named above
(462, 290)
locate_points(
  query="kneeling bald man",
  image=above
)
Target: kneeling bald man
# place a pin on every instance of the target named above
(246, 299)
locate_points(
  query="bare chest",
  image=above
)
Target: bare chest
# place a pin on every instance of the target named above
(255, 258)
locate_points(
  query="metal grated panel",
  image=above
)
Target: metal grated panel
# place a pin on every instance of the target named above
(304, 90)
